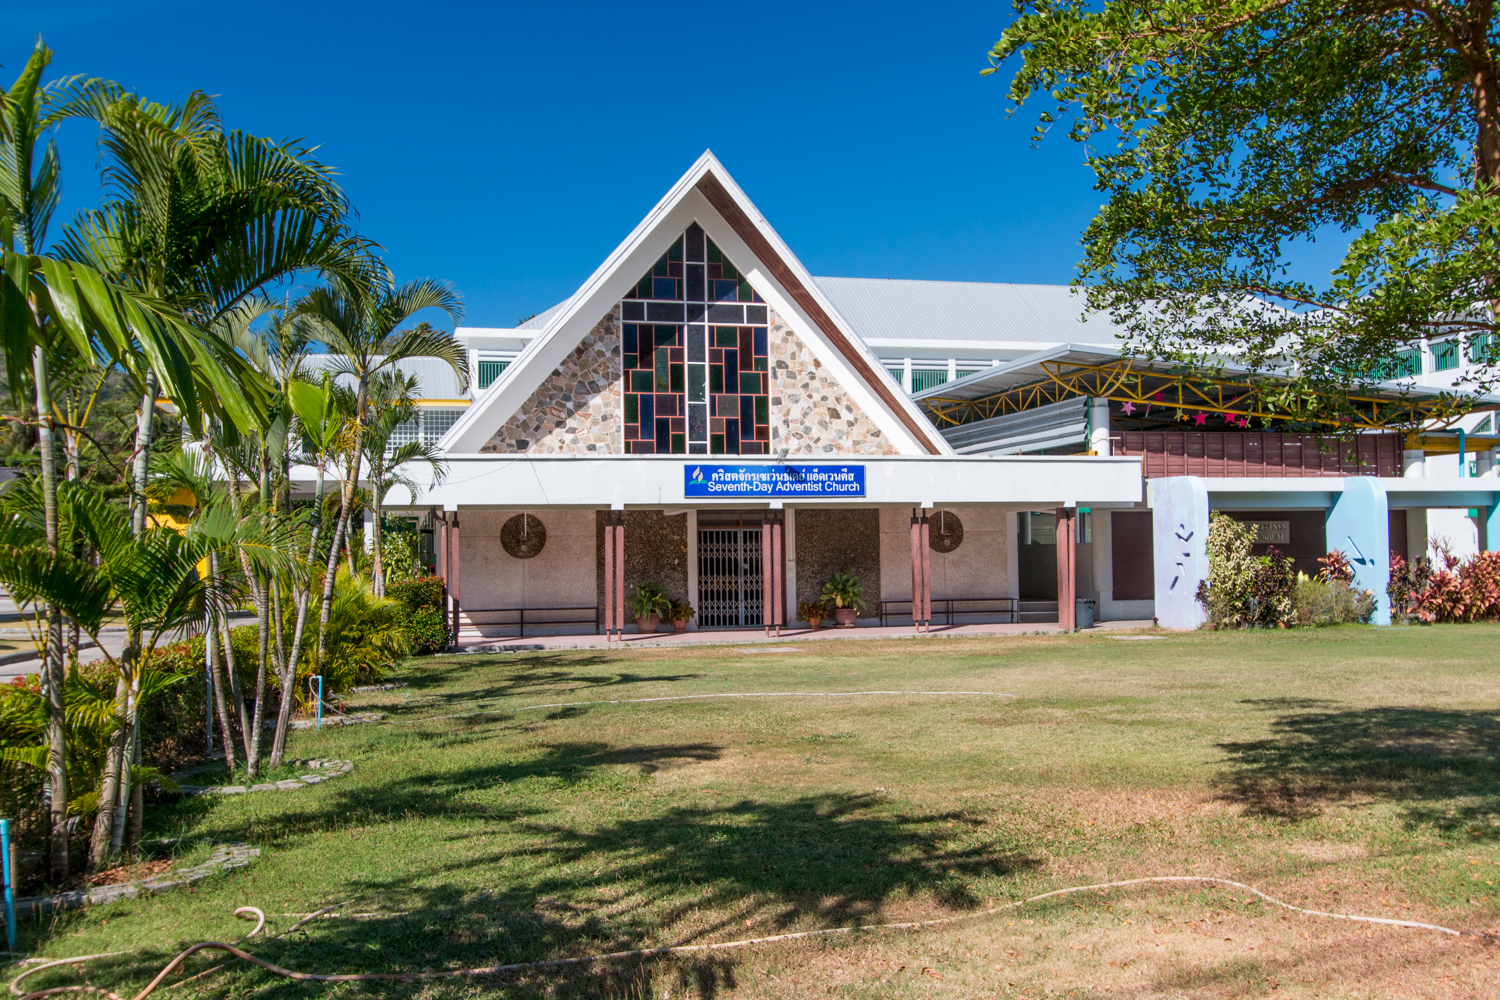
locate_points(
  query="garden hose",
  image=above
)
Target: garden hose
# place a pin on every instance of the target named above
(684, 949)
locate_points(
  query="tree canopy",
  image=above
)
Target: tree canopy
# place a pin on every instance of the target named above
(1223, 132)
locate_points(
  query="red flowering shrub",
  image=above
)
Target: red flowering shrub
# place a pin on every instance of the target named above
(1461, 592)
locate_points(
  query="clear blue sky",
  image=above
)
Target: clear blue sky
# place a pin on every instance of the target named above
(509, 147)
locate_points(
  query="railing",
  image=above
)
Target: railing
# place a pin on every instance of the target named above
(946, 609)
(522, 614)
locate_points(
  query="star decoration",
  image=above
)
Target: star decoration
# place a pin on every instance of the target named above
(1200, 419)
(1129, 408)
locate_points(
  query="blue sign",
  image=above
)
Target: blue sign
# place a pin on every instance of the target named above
(773, 480)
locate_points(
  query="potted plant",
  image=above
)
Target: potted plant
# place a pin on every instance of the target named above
(648, 603)
(681, 613)
(813, 611)
(845, 593)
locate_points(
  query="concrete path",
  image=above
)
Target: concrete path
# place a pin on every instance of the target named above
(474, 643)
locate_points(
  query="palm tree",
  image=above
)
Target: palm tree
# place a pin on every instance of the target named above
(204, 218)
(364, 331)
(393, 404)
(51, 306)
(153, 579)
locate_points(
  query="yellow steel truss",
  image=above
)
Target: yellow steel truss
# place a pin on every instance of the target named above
(1124, 382)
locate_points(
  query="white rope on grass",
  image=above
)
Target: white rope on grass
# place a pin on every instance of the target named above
(681, 949)
(700, 697)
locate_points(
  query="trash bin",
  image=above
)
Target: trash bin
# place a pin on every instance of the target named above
(1085, 613)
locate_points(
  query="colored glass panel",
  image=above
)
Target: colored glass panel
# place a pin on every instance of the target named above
(686, 392)
(489, 371)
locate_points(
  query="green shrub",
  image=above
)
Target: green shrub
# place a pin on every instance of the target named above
(1244, 590)
(1336, 602)
(421, 615)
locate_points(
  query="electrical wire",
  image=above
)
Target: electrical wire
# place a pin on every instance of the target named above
(667, 950)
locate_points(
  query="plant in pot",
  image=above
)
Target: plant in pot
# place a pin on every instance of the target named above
(681, 613)
(813, 611)
(845, 594)
(648, 603)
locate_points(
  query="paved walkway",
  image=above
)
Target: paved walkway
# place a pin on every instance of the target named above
(471, 642)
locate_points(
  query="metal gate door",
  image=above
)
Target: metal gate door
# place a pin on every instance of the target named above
(729, 577)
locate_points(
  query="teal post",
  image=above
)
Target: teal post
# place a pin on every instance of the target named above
(1491, 524)
(1359, 526)
(10, 889)
(320, 703)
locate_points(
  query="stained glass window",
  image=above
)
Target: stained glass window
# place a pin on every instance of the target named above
(695, 356)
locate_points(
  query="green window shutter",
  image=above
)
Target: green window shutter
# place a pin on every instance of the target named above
(927, 379)
(1481, 347)
(489, 371)
(1445, 355)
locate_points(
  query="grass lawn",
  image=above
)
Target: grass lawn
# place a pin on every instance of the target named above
(1344, 769)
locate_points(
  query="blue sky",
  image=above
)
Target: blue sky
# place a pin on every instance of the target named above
(509, 147)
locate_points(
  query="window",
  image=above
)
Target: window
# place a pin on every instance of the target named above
(405, 432)
(695, 356)
(1484, 426)
(966, 372)
(1407, 364)
(435, 423)
(927, 378)
(489, 371)
(1482, 348)
(1444, 355)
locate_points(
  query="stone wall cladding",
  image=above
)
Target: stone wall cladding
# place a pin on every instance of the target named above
(578, 409)
(656, 551)
(831, 539)
(811, 414)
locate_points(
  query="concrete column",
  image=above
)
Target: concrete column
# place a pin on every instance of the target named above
(906, 374)
(1359, 526)
(1179, 524)
(1491, 518)
(791, 564)
(692, 565)
(1067, 568)
(1013, 555)
(454, 589)
(1104, 563)
(1414, 463)
(1099, 426)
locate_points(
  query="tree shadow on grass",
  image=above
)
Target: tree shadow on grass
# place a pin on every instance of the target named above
(635, 877)
(576, 674)
(1441, 765)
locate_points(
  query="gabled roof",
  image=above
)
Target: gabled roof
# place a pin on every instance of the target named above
(708, 195)
(896, 312)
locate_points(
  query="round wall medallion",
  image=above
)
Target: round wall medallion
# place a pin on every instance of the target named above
(523, 536)
(945, 531)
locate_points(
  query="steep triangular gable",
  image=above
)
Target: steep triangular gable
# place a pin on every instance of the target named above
(705, 197)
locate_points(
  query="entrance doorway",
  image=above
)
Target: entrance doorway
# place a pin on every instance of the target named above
(729, 577)
(1037, 551)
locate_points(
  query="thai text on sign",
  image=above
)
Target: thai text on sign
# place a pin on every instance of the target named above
(705, 480)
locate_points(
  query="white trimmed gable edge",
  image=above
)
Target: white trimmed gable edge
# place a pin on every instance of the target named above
(902, 423)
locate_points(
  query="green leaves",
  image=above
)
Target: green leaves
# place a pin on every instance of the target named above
(1224, 134)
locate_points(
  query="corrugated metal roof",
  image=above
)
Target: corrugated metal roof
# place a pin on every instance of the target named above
(982, 312)
(538, 321)
(436, 378)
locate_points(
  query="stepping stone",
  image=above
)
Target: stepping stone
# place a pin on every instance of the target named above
(263, 788)
(288, 784)
(229, 790)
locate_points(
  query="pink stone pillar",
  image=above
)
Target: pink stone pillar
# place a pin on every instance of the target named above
(453, 575)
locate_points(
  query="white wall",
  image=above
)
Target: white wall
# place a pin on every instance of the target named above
(562, 575)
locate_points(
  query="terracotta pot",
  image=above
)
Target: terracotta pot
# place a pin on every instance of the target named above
(679, 626)
(647, 624)
(844, 617)
(814, 622)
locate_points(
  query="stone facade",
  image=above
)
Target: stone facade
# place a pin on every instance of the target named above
(834, 539)
(656, 551)
(577, 410)
(811, 414)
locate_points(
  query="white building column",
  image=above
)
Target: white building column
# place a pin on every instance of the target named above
(692, 566)
(1099, 427)
(1414, 463)
(1179, 524)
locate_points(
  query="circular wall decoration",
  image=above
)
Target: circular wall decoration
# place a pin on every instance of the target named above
(945, 532)
(523, 536)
